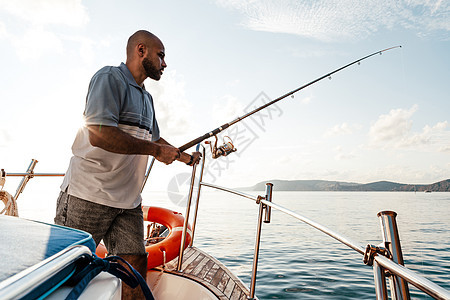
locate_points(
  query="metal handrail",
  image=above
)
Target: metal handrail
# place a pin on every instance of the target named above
(18, 285)
(326, 230)
(230, 191)
(316, 225)
(35, 174)
(27, 176)
(412, 277)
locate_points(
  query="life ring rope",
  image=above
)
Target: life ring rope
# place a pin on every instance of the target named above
(188, 231)
(10, 208)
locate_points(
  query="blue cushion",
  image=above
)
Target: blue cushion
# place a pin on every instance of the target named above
(24, 243)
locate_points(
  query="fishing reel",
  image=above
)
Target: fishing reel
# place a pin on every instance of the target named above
(224, 150)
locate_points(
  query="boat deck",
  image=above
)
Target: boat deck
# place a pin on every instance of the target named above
(208, 271)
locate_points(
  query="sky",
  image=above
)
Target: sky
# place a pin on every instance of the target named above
(385, 119)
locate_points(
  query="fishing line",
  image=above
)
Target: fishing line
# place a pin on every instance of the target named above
(291, 93)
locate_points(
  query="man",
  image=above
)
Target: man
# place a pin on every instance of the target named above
(100, 193)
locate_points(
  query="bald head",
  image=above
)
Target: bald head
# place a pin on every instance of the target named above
(141, 37)
(145, 56)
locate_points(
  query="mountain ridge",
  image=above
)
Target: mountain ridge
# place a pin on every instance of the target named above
(326, 185)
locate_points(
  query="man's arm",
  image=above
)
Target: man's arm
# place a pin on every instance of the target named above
(113, 139)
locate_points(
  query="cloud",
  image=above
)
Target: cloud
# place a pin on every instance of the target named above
(5, 138)
(338, 20)
(393, 126)
(341, 154)
(227, 108)
(444, 149)
(306, 100)
(35, 43)
(394, 130)
(43, 12)
(33, 38)
(3, 32)
(87, 47)
(171, 105)
(429, 135)
(342, 129)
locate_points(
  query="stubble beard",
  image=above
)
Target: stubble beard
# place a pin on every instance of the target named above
(150, 69)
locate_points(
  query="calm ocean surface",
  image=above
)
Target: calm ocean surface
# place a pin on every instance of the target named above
(299, 262)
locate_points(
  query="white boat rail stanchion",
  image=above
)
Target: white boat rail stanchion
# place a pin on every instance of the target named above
(149, 169)
(267, 210)
(186, 219)
(391, 240)
(26, 178)
(379, 278)
(194, 221)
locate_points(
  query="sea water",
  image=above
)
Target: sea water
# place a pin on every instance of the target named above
(299, 262)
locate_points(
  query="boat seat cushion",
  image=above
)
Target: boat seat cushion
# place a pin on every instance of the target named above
(24, 243)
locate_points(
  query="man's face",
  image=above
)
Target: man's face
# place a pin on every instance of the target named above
(151, 70)
(154, 63)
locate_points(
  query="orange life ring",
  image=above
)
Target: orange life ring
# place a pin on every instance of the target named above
(174, 221)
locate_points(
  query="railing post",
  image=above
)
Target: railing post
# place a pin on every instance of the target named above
(149, 169)
(269, 189)
(380, 281)
(186, 219)
(256, 253)
(262, 208)
(194, 222)
(399, 287)
(26, 178)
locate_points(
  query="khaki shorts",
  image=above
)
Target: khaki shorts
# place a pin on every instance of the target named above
(122, 230)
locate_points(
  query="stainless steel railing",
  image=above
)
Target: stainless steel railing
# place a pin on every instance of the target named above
(11, 205)
(386, 259)
(27, 176)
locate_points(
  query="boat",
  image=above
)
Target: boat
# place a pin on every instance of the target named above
(191, 273)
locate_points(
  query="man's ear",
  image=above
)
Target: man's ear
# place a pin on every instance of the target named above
(141, 49)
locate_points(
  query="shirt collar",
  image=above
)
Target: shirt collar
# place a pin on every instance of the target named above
(123, 67)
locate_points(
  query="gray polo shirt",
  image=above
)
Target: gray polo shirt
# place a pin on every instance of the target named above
(114, 99)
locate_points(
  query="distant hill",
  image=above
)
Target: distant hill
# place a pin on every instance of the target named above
(324, 185)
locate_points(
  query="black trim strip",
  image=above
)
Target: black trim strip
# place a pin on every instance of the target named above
(135, 125)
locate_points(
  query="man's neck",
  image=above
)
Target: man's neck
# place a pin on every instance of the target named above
(136, 72)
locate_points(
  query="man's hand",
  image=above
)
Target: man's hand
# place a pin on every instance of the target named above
(167, 154)
(182, 157)
(196, 158)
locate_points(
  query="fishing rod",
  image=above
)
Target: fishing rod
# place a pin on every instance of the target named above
(228, 147)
